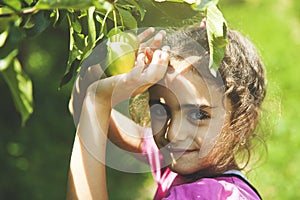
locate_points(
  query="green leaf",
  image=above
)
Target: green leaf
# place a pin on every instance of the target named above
(12, 4)
(75, 52)
(216, 32)
(103, 5)
(29, 2)
(56, 15)
(6, 11)
(127, 19)
(80, 44)
(203, 5)
(91, 27)
(171, 10)
(64, 4)
(70, 73)
(5, 62)
(14, 37)
(137, 7)
(3, 37)
(176, 1)
(21, 89)
(216, 29)
(77, 39)
(76, 25)
(108, 8)
(40, 21)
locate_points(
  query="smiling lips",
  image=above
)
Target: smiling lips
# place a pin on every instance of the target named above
(181, 151)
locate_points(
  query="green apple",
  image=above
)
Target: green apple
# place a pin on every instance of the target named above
(120, 58)
(126, 37)
(121, 51)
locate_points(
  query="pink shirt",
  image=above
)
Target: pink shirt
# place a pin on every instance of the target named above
(171, 186)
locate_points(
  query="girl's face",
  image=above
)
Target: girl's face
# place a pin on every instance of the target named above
(187, 115)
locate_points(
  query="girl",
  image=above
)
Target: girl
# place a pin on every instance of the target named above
(201, 125)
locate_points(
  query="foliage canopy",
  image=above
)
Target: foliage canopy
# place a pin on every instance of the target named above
(88, 23)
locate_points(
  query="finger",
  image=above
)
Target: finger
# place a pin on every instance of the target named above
(165, 58)
(163, 33)
(156, 42)
(158, 66)
(165, 54)
(140, 60)
(145, 34)
(148, 55)
(94, 73)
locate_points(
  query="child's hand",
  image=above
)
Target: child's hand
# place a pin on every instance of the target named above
(112, 90)
(149, 46)
(144, 75)
(95, 72)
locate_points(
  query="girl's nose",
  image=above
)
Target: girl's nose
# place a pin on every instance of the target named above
(175, 131)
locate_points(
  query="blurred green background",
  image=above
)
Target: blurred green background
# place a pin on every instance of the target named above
(274, 26)
(34, 160)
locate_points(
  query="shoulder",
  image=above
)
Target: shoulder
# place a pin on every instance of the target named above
(226, 186)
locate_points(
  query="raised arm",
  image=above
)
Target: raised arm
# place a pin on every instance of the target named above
(126, 134)
(87, 167)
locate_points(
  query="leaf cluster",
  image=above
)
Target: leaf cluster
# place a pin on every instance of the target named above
(88, 23)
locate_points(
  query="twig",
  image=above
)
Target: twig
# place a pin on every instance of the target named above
(20, 13)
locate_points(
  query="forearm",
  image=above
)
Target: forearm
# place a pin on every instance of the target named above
(125, 133)
(87, 175)
(87, 168)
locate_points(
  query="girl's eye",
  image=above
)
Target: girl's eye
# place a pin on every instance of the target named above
(159, 110)
(198, 115)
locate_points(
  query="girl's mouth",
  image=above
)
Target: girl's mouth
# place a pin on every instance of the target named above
(176, 153)
(181, 151)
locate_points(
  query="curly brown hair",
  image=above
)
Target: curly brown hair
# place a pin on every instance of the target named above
(243, 79)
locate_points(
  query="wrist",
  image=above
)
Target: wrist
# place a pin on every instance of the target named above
(101, 92)
(111, 91)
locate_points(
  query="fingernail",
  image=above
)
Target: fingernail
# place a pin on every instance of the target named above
(158, 36)
(163, 32)
(151, 29)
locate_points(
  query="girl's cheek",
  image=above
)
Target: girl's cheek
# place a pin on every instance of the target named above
(158, 138)
(158, 126)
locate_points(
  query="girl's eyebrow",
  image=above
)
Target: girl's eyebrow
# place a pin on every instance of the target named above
(203, 106)
(200, 106)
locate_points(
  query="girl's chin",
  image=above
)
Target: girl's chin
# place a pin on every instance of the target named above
(187, 167)
(180, 171)
(184, 169)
